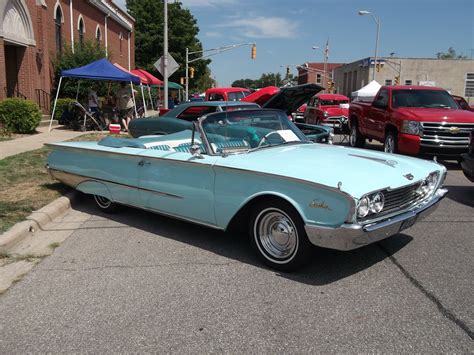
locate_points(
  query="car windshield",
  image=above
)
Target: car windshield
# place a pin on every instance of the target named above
(247, 130)
(236, 95)
(423, 98)
(333, 102)
(239, 107)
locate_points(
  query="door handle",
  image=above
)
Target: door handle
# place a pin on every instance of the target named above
(143, 162)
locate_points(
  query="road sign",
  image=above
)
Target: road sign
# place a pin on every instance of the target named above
(172, 65)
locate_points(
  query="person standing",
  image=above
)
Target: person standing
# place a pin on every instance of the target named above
(124, 103)
(93, 101)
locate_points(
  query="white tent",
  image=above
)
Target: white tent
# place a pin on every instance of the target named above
(366, 93)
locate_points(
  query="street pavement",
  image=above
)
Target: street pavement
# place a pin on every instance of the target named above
(139, 282)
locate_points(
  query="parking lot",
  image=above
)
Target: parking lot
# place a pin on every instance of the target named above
(136, 281)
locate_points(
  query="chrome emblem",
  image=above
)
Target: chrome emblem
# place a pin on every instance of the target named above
(409, 176)
(454, 130)
(319, 204)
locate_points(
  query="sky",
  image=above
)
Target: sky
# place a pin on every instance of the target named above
(286, 30)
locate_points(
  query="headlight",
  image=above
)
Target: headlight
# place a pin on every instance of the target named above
(363, 207)
(411, 127)
(376, 202)
(331, 138)
(325, 114)
(429, 184)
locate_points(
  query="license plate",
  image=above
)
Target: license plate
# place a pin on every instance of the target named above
(408, 223)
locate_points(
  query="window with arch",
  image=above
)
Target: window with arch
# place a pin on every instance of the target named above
(81, 30)
(121, 41)
(98, 35)
(58, 27)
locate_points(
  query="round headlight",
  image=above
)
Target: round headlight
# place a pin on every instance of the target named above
(325, 114)
(376, 202)
(432, 180)
(363, 207)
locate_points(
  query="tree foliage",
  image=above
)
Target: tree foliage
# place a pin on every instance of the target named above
(182, 34)
(266, 79)
(450, 54)
(84, 53)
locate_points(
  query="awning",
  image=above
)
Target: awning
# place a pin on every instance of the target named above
(128, 72)
(101, 69)
(152, 80)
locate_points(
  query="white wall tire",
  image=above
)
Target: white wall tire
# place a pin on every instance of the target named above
(104, 204)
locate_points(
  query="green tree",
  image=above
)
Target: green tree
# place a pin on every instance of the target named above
(84, 53)
(182, 34)
(450, 54)
(266, 79)
(244, 83)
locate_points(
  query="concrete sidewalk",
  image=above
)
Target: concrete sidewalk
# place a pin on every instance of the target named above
(36, 141)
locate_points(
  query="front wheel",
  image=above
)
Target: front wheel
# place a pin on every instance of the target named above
(278, 237)
(390, 143)
(356, 139)
(105, 204)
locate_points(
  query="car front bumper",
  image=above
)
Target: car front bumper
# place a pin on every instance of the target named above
(353, 236)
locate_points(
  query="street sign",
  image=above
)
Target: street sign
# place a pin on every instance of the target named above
(172, 65)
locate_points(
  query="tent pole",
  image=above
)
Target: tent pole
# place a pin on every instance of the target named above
(143, 98)
(77, 92)
(151, 100)
(55, 102)
(134, 102)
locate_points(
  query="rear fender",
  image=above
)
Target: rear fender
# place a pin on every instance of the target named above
(95, 188)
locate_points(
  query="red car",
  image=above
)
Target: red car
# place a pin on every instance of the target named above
(226, 94)
(461, 101)
(328, 109)
(412, 120)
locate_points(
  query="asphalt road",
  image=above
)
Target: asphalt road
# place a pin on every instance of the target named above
(138, 282)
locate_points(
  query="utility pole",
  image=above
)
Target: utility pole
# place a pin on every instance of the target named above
(165, 55)
(186, 95)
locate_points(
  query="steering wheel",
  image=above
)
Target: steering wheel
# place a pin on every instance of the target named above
(265, 137)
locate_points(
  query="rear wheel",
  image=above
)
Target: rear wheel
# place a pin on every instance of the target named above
(390, 143)
(105, 204)
(277, 235)
(356, 139)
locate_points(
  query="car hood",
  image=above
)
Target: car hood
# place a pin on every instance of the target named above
(287, 99)
(362, 171)
(437, 114)
(335, 111)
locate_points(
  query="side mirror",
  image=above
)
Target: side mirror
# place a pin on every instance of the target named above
(195, 151)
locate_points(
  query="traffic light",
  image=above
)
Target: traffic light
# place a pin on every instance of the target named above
(397, 80)
(253, 53)
(378, 66)
(288, 71)
(181, 80)
(191, 72)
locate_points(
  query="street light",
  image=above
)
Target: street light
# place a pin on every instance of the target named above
(362, 13)
(325, 69)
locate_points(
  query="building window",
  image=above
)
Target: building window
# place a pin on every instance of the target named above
(388, 82)
(469, 88)
(98, 35)
(80, 30)
(58, 26)
(318, 78)
(408, 82)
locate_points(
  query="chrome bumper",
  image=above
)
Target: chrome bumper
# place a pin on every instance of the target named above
(353, 236)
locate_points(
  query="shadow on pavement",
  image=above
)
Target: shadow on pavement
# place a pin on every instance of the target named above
(327, 265)
(461, 194)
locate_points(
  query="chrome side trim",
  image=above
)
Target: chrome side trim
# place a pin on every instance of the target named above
(74, 180)
(352, 236)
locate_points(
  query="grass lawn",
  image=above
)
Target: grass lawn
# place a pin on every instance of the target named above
(25, 185)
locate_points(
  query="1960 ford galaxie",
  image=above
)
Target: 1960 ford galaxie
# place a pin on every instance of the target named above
(255, 167)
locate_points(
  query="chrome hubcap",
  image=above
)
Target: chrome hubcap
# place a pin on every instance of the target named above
(277, 234)
(102, 201)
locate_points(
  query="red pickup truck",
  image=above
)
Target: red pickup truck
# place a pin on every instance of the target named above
(226, 94)
(412, 120)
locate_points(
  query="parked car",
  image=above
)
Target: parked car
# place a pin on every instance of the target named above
(298, 116)
(412, 120)
(226, 94)
(254, 168)
(462, 103)
(328, 109)
(180, 118)
(467, 159)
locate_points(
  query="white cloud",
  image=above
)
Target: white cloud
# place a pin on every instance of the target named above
(263, 27)
(206, 3)
(213, 34)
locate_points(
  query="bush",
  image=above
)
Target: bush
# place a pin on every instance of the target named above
(19, 116)
(61, 106)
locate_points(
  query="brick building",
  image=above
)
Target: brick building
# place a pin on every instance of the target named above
(32, 32)
(314, 73)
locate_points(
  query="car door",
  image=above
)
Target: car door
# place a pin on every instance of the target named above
(178, 184)
(376, 115)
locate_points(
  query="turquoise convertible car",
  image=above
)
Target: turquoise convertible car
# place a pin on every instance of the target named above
(254, 168)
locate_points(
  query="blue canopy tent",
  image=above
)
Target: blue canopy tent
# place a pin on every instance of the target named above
(101, 69)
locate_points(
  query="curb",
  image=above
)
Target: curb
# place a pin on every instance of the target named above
(36, 221)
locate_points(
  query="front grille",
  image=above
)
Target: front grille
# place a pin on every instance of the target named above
(446, 135)
(398, 199)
